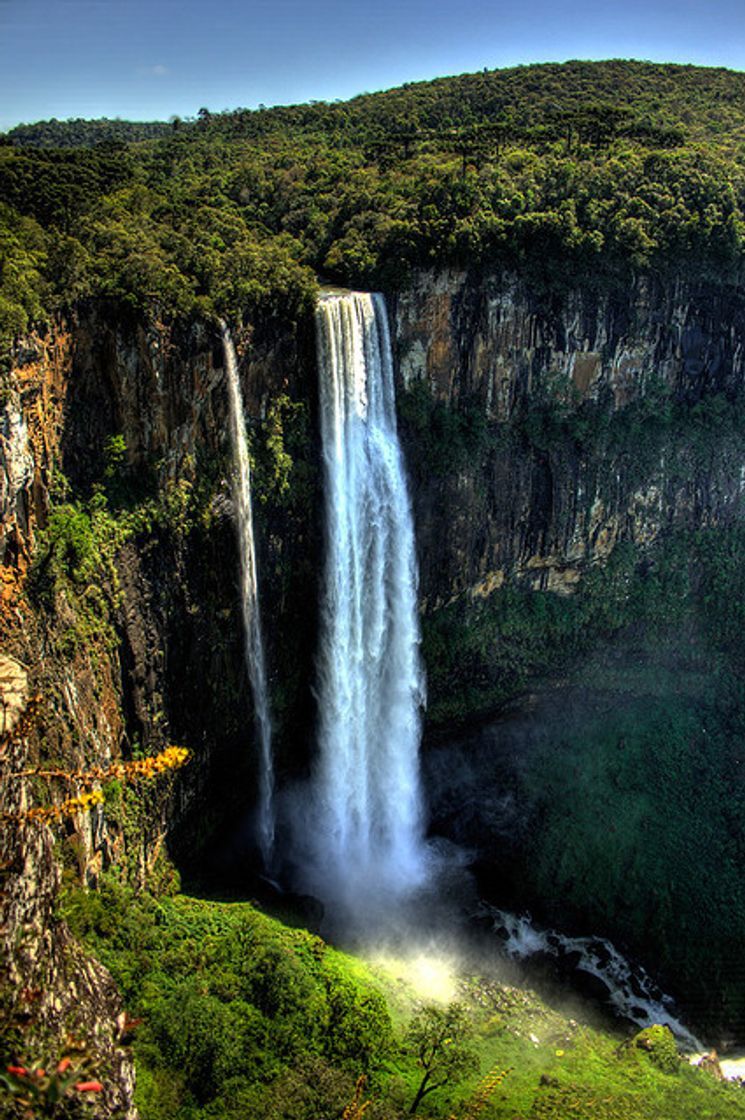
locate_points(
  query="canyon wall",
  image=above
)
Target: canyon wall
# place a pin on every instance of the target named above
(120, 631)
(547, 496)
(541, 431)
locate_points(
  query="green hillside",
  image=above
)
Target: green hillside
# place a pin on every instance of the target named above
(244, 1016)
(557, 170)
(78, 133)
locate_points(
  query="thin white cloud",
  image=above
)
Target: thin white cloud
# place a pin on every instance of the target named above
(157, 71)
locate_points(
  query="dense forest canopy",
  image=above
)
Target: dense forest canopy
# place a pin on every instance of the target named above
(80, 133)
(557, 169)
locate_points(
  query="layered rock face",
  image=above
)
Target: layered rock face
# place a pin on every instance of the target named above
(496, 339)
(542, 504)
(46, 978)
(31, 424)
(514, 501)
(48, 982)
(575, 448)
(178, 670)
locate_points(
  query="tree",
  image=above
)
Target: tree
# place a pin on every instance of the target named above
(437, 1038)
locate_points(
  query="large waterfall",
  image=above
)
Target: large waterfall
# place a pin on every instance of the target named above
(365, 836)
(254, 645)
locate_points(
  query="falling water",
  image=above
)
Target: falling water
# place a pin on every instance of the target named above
(366, 833)
(254, 644)
(632, 993)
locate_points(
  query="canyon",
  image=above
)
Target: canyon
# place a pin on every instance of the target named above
(560, 445)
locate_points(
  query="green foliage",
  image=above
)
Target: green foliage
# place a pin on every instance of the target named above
(626, 787)
(262, 275)
(446, 439)
(79, 133)
(69, 545)
(603, 166)
(359, 1024)
(74, 573)
(634, 765)
(23, 256)
(480, 652)
(282, 454)
(58, 187)
(659, 1044)
(242, 1016)
(437, 1038)
(231, 1001)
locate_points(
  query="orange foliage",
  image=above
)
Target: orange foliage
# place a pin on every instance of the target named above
(172, 758)
(356, 1108)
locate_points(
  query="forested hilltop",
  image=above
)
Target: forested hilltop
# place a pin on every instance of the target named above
(80, 133)
(592, 168)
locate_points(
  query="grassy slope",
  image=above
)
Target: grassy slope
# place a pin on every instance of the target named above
(244, 1016)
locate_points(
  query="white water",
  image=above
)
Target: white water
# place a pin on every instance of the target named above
(254, 645)
(365, 834)
(631, 991)
(733, 1068)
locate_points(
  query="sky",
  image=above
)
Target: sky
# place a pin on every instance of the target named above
(153, 59)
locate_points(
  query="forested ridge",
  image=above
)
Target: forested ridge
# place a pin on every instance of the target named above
(557, 170)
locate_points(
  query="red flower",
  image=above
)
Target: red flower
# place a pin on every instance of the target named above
(89, 1087)
(64, 1064)
(18, 1071)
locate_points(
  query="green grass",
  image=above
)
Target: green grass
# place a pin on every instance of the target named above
(244, 1016)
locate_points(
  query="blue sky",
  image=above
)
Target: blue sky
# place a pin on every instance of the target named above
(150, 59)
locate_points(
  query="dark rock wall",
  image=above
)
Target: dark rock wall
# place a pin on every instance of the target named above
(542, 506)
(181, 640)
(495, 338)
(167, 663)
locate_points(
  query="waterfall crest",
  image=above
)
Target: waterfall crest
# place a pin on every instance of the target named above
(254, 644)
(366, 833)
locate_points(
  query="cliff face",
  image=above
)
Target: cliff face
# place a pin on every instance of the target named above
(161, 392)
(49, 985)
(540, 434)
(542, 502)
(569, 460)
(537, 433)
(114, 474)
(496, 339)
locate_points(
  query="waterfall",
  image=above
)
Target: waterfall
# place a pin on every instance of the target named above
(632, 994)
(254, 644)
(366, 831)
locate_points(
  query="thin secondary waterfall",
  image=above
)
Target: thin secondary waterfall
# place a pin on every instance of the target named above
(367, 829)
(254, 644)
